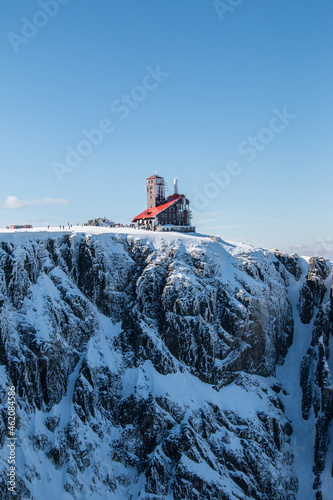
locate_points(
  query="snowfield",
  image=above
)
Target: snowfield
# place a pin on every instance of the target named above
(164, 366)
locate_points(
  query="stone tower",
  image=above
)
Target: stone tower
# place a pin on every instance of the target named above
(155, 191)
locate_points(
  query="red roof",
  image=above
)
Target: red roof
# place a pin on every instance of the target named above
(154, 177)
(150, 213)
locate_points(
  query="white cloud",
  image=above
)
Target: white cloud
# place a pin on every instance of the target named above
(321, 248)
(12, 202)
(300, 245)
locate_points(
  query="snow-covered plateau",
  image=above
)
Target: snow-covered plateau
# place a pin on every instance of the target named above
(163, 366)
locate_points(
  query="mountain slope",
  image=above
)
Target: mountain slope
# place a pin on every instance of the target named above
(164, 366)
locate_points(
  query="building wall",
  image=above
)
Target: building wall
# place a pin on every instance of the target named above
(155, 191)
(177, 214)
(146, 224)
(151, 200)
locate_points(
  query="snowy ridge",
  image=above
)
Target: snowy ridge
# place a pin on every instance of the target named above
(160, 365)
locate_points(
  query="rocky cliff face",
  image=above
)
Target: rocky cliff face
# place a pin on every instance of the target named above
(315, 377)
(147, 366)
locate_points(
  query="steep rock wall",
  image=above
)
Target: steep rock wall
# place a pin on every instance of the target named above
(145, 365)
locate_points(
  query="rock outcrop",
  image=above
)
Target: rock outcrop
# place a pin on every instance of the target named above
(315, 377)
(144, 366)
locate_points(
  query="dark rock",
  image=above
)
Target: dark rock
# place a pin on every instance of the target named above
(93, 329)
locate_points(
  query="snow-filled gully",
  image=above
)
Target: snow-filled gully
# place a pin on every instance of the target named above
(303, 437)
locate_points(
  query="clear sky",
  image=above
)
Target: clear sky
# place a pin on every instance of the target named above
(232, 97)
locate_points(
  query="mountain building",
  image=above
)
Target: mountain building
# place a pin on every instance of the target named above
(164, 214)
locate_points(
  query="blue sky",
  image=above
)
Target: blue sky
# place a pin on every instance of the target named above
(199, 84)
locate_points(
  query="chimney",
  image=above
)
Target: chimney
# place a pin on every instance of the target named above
(175, 185)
